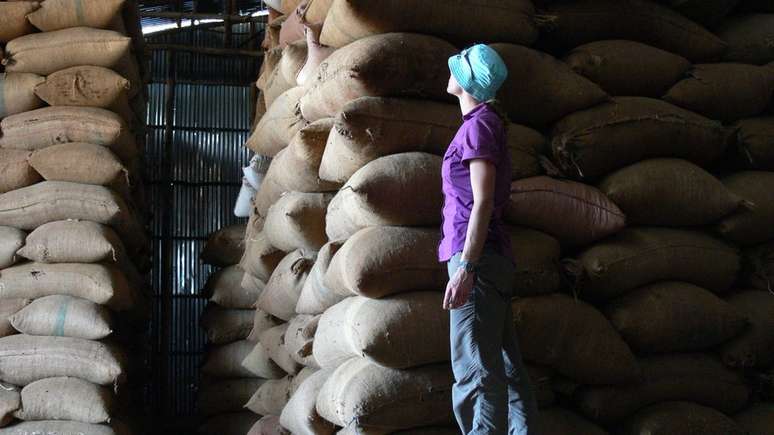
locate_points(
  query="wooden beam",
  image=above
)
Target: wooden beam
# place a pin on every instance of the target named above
(204, 50)
(201, 16)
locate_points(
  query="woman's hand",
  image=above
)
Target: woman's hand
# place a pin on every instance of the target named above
(458, 289)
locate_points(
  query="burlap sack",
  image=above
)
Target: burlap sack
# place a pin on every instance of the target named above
(11, 240)
(316, 52)
(59, 428)
(283, 289)
(62, 14)
(537, 261)
(417, 66)
(47, 53)
(101, 284)
(589, 143)
(260, 257)
(755, 346)
(27, 358)
(219, 396)
(631, 68)
(261, 322)
(315, 296)
(669, 192)
(252, 284)
(318, 10)
(300, 377)
(80, 163)
(271, 397)
(706, 13)
(673, 316)
(273, 341)
(271, 40)
(489, 21)
(400, 189)
(299, 339)
(231, 423)
(750, 225)
(10, 401)
(570, 24)
(278, 126)
(13, 22)
(18, 91)
(573, 212)
(758, 271)
(371, 127)
(354, 429)
(65, 399)
(297, 221)
(257, 362)
(268, 425)
(299, 414)
(639, 256)
(226, 361)
(63, 316)
(293, 60)
(380, 261)
(270, 61)
(574, 338)
(707, 90)
(15, 170)
(560, 421)
(9, 307)
(224, 288)
(756, 6)
(276, 85)
(384, 398)
(700, 378)
(400, 331)
(91, 86)
(72, 242)
(541, 89)
(749, 38)
(224, 247)
(292, 29)
(758, 418)
(755, 138)
(675, 418)
(48, 126)
(225, 325)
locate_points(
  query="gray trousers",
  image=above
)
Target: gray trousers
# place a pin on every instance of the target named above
(492, 393)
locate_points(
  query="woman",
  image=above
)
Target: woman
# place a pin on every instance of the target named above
(491, 393)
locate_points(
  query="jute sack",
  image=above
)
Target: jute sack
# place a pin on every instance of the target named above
(371, 127)
(297, 221)
(58, 427)
(750, 226)
(273, 341)
(589, 143)
(416, 66)
(354, 429)
(380, 261)
(482, 21)
(299, 414)
(755, 139)
(749, 38)
(300, 377)
(573, 212)
(293, 59)
(62, 14)
(225, 361)
(271, 60)
(231, 423)
(18, 91)
(257, 362)
(271, 40)
(224, 288)
(757, 419)
(11, 240)
(13, 21)
(317, 10)
(537, 261)
(225, 325)
(541, 89)
(756, 6)
(104, 285)
(9, 307)
(379, 397)
(276, 85)
(315, 296)
(224, 247)
(675, 418)
(299, 339)
(260, 257)
(758, 269)
(219, 396)
(560, 421)
(400, 331)
(573, 338)
(48, 126)
(91, 86)
(271, 397)
(63, 316)
(706, 13)
(252, 284)
(283, 289)
(400, 189)
(261, 322)
(292, 29)
(316, 52)
(81, 163)
(755, 346)
(47, 53)
(278, 126)
(669, 192)
(72, 242)
(268, 425)
(631, 68)
(575, 23)
(10, 401)
(27, 358)
(697, 377)
(65, 399)
(15, 170)
(673, 316)
(708, 91)
(639, 256)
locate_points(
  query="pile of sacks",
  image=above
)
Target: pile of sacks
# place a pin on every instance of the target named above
(641, 206)
(73, 245)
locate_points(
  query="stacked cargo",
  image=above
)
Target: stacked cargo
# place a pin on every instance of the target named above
(72, 220)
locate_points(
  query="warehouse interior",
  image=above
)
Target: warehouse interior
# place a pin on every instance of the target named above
(223, 217)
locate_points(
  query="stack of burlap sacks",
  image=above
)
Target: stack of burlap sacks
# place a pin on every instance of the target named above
(73, 245)
(641, 212)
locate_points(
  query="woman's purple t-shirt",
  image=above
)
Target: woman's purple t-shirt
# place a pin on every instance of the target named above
(481, 136)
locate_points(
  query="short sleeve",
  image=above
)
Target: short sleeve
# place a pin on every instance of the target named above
(481, 141)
